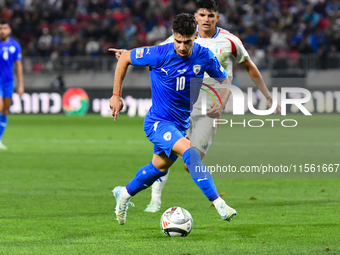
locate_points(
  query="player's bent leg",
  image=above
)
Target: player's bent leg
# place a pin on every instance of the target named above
(144, 178)
(202, 177)
(202, 157)
(225, 211)
(122, 203)
(157, 187)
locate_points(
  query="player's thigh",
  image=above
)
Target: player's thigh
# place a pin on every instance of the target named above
(1, 104)
(181, 146)
(163, 135)
(161, 161)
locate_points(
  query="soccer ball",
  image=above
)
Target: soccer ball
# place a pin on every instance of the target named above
(176, 221)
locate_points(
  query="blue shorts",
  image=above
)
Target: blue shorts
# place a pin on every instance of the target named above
(163, 134)
(6, 89)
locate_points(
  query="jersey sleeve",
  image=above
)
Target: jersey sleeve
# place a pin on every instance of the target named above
(239, 52)
(214, 68)
(17, 55)
(145, 56)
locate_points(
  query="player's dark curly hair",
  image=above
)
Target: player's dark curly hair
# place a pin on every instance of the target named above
(210, 5)
(184, 24)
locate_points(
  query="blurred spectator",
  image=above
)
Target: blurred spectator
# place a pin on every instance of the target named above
(58, 82)
(257, 56)
(45, 42)
(304, 47)
(311, 16)
(333, 60)
(278, 39)
(77, 27)
(130, 30)
(251, 37)
(92, 47)
(157, 34)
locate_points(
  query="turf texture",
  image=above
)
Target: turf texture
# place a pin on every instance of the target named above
(57, 176)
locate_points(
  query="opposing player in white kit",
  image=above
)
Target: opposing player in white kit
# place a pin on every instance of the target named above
(225, 46)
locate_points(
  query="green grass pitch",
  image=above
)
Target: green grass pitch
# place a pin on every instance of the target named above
(57, 176)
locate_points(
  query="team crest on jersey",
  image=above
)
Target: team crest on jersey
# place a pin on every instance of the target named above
(12, 49)
(218, 48)
(139, 52)
(167, 136)
(197, 69)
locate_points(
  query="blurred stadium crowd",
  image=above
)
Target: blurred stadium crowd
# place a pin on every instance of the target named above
(283, 28)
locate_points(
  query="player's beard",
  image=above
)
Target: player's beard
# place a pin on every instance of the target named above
(3, 38)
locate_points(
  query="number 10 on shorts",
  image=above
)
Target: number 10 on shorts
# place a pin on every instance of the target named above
(180, 84)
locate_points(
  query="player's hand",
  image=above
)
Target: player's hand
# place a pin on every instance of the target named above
(118, 52)
(20, 89)
(270, 103)
(116, 105)
(215, 111)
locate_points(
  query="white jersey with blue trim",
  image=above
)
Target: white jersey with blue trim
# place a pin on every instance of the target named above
(176, 81)
(10, 52)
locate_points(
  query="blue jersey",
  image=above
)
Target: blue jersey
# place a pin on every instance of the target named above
(176, 81)
(10, 51)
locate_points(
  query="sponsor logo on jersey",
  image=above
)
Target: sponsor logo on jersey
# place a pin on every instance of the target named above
(165, 71)
(197, 68)
(139, 52)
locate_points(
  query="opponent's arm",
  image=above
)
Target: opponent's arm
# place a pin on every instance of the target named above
(216, 110)
(116, 101)
(20, 75)
(256, 76)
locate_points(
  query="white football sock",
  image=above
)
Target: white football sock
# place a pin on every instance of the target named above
(157, 188)
(217, 201)
(126, 194)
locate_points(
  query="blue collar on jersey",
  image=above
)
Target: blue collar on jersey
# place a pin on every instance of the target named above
(214, 36)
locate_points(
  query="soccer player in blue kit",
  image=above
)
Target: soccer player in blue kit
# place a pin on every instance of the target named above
(172, 67)
(10, 53)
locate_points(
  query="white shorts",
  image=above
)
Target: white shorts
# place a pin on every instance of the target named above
(201, 132)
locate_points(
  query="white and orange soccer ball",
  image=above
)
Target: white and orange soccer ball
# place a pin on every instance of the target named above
(176, 221)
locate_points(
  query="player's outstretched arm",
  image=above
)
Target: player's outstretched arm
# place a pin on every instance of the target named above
(256, 76)
(20, 75)
(216, 110)
(116, 101)
(118, 52)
